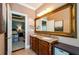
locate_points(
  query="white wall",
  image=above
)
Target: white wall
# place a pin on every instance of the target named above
(30, 30)
(72, 41)
(31, 23)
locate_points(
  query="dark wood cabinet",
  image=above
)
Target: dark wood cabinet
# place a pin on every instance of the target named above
(40, 47)
(37, 45)
(34, 44)
(43, 48)
(1, 19)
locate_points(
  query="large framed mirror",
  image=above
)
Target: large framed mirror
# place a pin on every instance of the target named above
(61, 21)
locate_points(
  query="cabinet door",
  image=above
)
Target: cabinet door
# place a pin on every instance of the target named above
(30, 42)
(43, 48)
(1, 19)
(37, 45)
(33, 44)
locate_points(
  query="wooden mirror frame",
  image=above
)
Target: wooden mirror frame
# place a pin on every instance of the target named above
(73, 24)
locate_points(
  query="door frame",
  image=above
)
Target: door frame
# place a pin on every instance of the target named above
(26, 28)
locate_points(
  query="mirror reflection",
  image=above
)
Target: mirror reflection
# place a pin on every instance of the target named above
(61, 21)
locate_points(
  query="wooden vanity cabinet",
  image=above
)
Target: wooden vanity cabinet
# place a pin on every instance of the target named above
(37, 45)
(34, 44)
(40, 47)
(43, 48)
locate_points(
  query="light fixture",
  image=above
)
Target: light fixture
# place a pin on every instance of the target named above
(44, 12)
(19, 28)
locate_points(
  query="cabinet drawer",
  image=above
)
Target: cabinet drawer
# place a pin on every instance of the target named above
(43, 43)
(43, 48)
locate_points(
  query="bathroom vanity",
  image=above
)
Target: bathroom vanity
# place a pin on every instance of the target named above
(59, 22)
(42, 45)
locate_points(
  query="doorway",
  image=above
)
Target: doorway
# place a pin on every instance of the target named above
(9, 46)
(18, 32)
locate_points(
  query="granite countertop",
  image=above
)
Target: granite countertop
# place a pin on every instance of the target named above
(45, 38)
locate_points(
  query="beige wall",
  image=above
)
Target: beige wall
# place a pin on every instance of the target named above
(2, 44)
(22, 9)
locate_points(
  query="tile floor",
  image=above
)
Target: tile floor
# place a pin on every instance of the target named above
(24, 52)
(18, 45)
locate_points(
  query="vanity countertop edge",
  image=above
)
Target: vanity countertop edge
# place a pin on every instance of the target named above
(45, 38)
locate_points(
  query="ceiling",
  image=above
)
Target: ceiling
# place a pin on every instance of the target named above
(33, 6)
